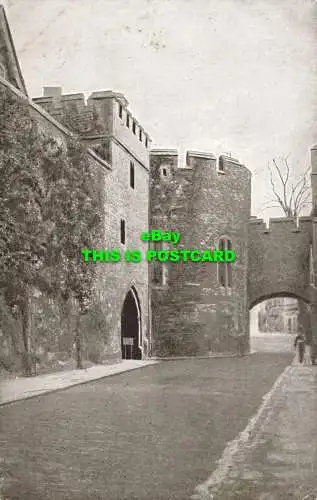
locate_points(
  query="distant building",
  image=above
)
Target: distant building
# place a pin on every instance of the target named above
(279, 315)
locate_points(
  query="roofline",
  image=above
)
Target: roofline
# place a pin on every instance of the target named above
(2, 9)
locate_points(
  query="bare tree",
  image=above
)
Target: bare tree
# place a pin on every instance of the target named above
(289, 195)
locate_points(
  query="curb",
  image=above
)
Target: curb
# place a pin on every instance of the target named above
(82, 382)
(241, 443)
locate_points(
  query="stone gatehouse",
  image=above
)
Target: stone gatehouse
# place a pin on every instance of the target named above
(172, 308)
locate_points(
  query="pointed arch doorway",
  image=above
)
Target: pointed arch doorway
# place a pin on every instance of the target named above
(131, 326)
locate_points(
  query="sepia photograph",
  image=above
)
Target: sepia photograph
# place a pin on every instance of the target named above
(158, 250)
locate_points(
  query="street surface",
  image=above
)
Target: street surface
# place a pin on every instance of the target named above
(280, 460)
(151, 434)
(272, 342)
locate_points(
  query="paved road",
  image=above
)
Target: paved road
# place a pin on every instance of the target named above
(280, 462)
(272, 342)
(152, 434)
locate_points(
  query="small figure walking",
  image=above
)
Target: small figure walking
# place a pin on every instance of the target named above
(300, 341)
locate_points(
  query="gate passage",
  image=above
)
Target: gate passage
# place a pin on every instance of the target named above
(131, 327)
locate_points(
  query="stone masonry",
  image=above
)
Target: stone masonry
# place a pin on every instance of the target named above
(110, 131)
(182, 308)
(192, 312)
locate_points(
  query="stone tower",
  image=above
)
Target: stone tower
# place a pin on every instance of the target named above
(200, 308)
(119, 147)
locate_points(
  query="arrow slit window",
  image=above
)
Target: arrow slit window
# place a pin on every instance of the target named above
(225, 268)
(131, 175)
(159, 269)
(157, 275)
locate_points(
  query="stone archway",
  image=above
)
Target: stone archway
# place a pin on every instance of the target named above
(279, 259)
(131, 326)
(272, 317)
(279, 294)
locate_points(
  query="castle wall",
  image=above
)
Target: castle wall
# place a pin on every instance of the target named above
(279, 259)
(102, 129)
(192, 314)
(115, 279)
(139, 146)
(70, 110)
(101, 329)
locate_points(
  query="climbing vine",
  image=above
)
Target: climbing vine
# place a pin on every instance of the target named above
(49, 209)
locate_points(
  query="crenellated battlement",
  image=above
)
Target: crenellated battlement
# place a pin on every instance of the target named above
(199, 154)
(103, 112)
(278, 254)
(221, 164)
(280, 225)
(164, 152)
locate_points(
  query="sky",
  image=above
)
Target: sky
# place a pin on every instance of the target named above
(236, 76)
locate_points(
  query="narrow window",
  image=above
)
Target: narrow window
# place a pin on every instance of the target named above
(131, 175)
(229, 274)
(122, 231)
(222, 266)
(164, 172)
(225, 268)
(164, 274)
(128, 120)
(157, 275)
(140, 135)
(146, 142)
(133, 127)
(221, 167)
(120, 110)
(229, 267)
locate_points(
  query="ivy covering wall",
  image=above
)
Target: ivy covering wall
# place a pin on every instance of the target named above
(50, 208)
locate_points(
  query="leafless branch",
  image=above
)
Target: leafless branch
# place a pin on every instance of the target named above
(304, 176)
(283, 181)
(303, 189)
(274, 190)
(291, 198)
(270, 206)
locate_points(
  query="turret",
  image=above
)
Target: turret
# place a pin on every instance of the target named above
(102, 121)
(208, 203)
